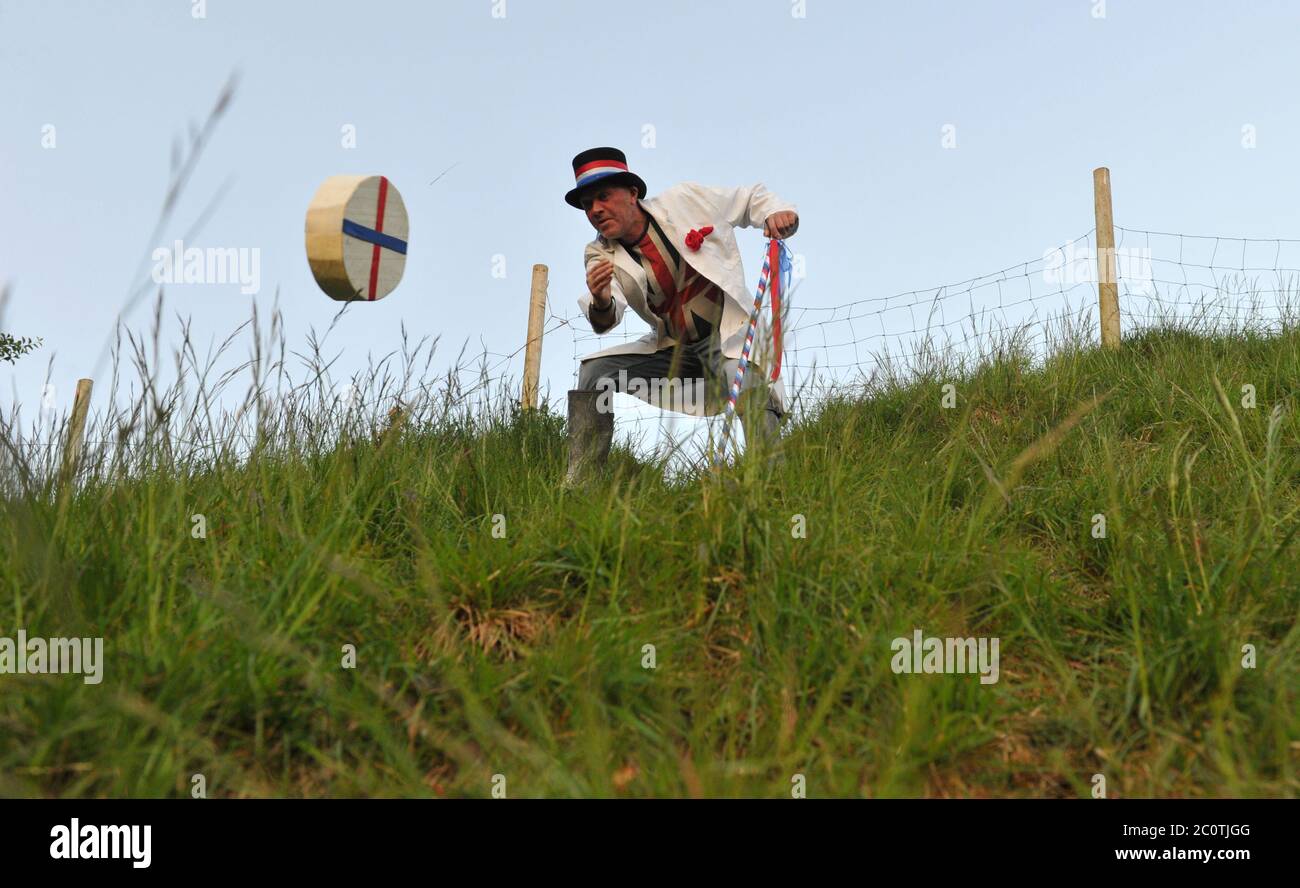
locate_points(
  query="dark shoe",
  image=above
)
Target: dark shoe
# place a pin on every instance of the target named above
(764, 434)
(591, 432)
(772, 435)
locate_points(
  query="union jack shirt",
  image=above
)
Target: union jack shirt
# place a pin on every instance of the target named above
(689, 304)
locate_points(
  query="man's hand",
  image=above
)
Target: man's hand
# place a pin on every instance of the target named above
(598, 278)
(781, 225)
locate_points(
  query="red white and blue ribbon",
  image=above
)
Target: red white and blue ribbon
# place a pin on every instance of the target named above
(598, 169)
(777, 256)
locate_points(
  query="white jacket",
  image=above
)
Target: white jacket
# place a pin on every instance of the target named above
(678, 210)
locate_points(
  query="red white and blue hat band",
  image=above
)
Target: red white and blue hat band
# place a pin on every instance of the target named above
(598, 169)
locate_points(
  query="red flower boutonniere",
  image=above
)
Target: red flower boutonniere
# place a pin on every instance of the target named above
(695, 238)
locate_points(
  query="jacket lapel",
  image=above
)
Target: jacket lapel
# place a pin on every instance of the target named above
(623, 259)
(734, 310)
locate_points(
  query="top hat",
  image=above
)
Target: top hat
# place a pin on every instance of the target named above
(608, 165)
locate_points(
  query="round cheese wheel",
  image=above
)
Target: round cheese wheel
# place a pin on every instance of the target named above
(356, 237)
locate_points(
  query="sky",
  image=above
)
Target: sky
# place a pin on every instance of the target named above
(921, 143)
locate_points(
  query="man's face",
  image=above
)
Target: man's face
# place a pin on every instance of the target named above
(612, 210)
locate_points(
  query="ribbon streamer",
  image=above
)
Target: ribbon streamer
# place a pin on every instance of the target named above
(778, 257)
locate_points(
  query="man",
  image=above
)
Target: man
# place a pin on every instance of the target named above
(673, 259)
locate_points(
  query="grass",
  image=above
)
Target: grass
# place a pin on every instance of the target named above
(516, 645)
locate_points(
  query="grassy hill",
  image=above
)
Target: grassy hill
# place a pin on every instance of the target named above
(522, 653)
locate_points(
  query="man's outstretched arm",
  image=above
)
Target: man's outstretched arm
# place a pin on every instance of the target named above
(603, 303)
(751, 206)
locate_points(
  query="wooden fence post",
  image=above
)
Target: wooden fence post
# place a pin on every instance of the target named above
(76, 428)
(1107, 277)
(533, 348)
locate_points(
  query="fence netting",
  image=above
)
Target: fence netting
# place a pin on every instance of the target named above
(1206, 282)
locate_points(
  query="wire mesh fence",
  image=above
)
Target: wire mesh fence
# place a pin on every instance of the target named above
(1164, 278)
